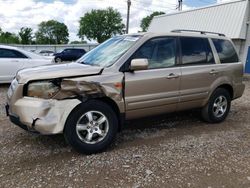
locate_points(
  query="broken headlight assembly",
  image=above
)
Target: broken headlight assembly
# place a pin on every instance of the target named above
(43, 89)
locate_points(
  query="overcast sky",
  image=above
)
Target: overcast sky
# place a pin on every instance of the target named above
(15, 14)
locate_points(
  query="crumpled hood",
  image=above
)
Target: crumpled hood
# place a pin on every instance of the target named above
(56, 71)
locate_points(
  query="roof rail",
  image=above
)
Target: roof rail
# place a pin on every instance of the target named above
(201, 32)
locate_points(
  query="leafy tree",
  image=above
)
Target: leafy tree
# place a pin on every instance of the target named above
(25, 35)
(145, 22)
(101, 24)
(52, 32)
(8, 38)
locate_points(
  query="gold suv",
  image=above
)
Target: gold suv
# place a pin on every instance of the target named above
(127, 77)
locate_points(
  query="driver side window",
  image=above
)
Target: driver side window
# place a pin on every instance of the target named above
(160, 52)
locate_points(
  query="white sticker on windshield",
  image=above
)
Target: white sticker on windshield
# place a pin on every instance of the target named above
(131, 38)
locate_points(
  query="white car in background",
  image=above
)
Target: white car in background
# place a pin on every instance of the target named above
(45, 52)
(12, 59)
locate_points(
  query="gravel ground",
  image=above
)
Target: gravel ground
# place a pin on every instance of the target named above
(176, 150)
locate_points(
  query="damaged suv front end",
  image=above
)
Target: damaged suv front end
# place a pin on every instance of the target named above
(41, 99)
(40, 106)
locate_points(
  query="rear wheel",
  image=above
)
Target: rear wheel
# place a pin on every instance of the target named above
(217, 107)
(91, 127)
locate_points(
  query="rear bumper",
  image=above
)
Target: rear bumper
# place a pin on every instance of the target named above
(239, 90)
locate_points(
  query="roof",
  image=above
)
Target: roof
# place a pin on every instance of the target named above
(228, 18)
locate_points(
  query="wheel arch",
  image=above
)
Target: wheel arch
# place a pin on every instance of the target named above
(111, 103)
(227, 87)
(114, 106)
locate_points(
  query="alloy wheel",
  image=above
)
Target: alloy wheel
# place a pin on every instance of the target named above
(92, 127)
(220, 106)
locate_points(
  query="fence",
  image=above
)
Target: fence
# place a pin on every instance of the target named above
(55, 48)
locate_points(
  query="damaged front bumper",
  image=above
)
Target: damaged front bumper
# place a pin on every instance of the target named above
(17, 122)
(41, 115)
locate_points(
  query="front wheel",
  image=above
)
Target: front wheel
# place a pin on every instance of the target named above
(91, 127)
(58, 60)
(217, 107)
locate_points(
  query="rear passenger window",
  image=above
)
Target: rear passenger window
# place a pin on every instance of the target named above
(226, 51)
(160, 52)
(19, 54)
(196, 51)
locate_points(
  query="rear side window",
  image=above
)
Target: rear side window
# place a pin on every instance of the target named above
(80, 51)
(226, 51)
(6, 53)
(19, 54)
(196, 51)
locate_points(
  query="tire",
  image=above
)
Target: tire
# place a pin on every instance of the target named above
(90, 137)
(58, 60)
(217, 107)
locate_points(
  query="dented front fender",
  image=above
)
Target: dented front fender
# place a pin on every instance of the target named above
(85, 88)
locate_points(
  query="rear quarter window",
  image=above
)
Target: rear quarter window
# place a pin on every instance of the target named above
(226, 51)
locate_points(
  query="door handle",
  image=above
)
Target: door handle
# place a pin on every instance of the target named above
(213, 71)
(172, 75)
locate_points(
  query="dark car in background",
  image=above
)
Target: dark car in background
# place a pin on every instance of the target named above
(69, 54)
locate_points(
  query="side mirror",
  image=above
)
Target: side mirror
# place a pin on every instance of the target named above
(139, 64)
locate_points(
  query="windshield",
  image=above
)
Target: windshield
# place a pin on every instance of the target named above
(108, 52)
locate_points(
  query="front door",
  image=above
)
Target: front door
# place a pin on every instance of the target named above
(155, 90)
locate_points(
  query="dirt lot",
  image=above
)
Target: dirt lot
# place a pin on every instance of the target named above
(176, 150)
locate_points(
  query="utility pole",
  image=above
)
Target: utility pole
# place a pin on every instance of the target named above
(128, 12)
(180, 5)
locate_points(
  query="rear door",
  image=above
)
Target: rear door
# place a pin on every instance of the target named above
(155, 90)
(10, 62)
(199, 71)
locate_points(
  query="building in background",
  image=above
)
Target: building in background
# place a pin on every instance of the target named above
(231, 19)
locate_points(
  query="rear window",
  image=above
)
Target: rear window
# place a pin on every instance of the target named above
(196, 51)
(226, 51)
